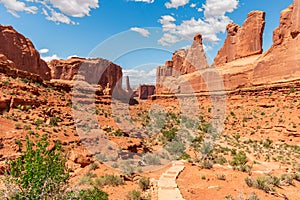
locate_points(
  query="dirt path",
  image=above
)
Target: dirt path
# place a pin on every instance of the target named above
(167, 186)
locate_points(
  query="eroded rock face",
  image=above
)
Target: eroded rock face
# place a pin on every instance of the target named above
(96, 71)
(21, 51)
(183, 62)
(281, 62)
(145, 91)
(243, 41)
(240, 62)
(296, 19)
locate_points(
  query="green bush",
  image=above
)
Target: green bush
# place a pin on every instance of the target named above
(144, 183)
(253, 196)
(175, 148)
(133, 195)
(206, 164)
(169, 134)
(110, 179)
(90, 194)
(40, 173)
(150, 159)
(54, 121)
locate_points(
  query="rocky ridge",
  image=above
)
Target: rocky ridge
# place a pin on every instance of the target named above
(240, 63)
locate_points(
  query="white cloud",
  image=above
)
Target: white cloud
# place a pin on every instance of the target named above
(146, 1)
(72, 56)
(215, 8)
(140, 76)
(57, 17)
(58, 11)
(199, 9)
(14, 6)
(49, 58)
(193, 5)
(142, 31)
(75, 8)
(214, 22)
(176, 3)
(168, 39)
(43, 51)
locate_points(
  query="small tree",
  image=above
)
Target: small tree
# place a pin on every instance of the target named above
(39, 172)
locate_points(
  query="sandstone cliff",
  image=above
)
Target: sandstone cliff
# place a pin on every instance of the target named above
(21, 51)
(96, 71)
(184, 62)
(240, 63)
(282, 61)
(243, 41)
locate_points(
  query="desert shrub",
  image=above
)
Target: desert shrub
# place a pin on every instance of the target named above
(228, 197)
(39, 171)
(249, 181)
(54, 121)
(239, 159)
(221, 177)
(18, 126)
(175, 148)
(94, 166)
(118, 133)
(127, 168)
(239, 162)
(88, 194)
(288, 178)
(206, 164)
(169, 134)
(109, 179)
(185, 156)
(144, 183)
(253, 196)
(133, 195)
(101, 157)
(150, 159)
(206, 148)
(263, 183)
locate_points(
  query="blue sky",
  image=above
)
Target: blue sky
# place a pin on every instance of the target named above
(136, 34)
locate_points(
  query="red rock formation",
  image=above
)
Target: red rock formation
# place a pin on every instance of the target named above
(145, 91)
(243, 41)
(296, 19)
(240, 63)
(183, 62)
(21, 51)
(8, 67)
(95, 71)
(281, 62)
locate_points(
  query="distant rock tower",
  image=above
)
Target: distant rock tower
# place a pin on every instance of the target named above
(128, 88)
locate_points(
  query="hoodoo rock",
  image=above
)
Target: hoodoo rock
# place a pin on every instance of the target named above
(21, 51)
(183, 62)
(96, 71)
(242, 41)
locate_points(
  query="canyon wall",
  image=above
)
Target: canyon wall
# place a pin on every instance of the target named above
(21, 51)
(96, 71)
